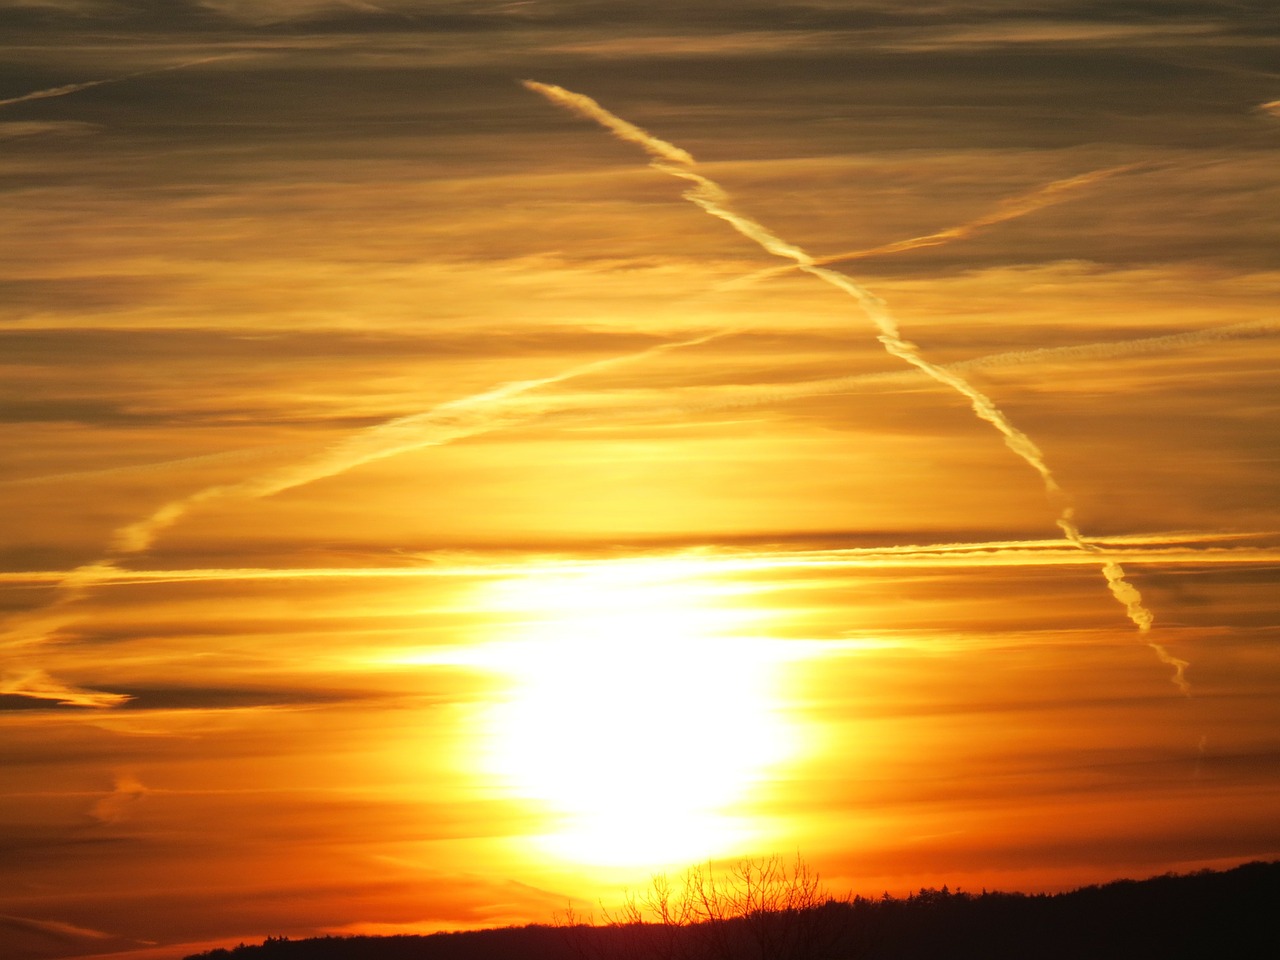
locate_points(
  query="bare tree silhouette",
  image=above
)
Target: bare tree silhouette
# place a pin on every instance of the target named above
(763, 908)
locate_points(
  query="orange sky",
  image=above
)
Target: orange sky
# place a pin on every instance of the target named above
(419, 515)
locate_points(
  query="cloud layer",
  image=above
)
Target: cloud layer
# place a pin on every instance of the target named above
(352, 400)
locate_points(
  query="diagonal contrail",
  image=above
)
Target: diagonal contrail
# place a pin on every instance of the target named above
(68, 88)
(468, 416)
(1009, 209)
(497, 408)
(75, 584)
(61, 91)
(727, 396)
(712, 198)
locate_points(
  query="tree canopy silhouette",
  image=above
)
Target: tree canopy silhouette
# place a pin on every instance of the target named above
(769, 910)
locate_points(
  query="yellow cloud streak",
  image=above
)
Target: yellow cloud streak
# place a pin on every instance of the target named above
(1009, 209)
(38, 685)
(1150, 550)
(420, 430)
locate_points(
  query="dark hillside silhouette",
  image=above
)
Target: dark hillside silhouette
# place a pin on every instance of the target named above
(1233, 915)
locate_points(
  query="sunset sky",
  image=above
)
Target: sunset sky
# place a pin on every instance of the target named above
(432, 500)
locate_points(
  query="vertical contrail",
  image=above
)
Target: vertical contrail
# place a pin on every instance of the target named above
(712, 198)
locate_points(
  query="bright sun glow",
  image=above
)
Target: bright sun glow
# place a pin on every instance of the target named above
(639, 718)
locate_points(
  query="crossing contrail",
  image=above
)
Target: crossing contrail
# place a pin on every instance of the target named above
(1010, 209)
(501, 406)
(712, 198)
(73, 585)
(735, 395)
(707, 397)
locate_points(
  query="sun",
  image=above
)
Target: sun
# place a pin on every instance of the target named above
(639, 717)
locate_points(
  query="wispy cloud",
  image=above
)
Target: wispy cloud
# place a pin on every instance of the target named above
(997, 33)
(116, 805)
(713, 397)
(283, 11)
(226, 456)
(13, 129)
(56, 929)
(734, 44)
(38, 685)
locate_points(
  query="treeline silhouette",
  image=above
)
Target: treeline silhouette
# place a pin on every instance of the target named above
(1233, 915)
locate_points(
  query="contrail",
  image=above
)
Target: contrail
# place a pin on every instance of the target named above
(573, 410)
(61, 91)
(1009, 209)
(226, 456)
(453, 420)
(701, 399)
(68, 88)
(73, 585)
(494, 409)
(742, 396)
(467, 417)
(729, 396)
(1171, 550)
(735, 396)
(1123, 348)
(712, 198)
(449, 421)
(586, 107)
